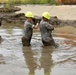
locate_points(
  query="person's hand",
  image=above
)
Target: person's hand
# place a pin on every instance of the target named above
(36, 26)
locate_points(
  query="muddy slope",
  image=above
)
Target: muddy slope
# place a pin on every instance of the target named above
(10, 17)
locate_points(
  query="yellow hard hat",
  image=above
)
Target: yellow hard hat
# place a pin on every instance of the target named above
(29, 14)
(46, 15)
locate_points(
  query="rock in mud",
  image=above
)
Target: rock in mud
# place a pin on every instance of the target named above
(9, 9)
(68, 22)
(55, 21)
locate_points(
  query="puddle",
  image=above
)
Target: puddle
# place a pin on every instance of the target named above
(36, 59)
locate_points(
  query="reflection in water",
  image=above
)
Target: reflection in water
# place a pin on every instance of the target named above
(46, 60)
(2, 61)
(0, 39)
(28, 54)
(38, 58)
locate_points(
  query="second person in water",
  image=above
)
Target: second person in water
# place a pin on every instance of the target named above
(46, 30)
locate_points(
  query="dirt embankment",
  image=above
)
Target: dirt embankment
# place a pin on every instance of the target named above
(9, 17)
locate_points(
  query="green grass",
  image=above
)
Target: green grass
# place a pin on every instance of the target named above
(29, 1)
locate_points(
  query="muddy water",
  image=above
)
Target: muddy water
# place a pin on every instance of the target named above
(36, 59)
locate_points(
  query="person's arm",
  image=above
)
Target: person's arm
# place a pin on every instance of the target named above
(49, 26)
(35, 26)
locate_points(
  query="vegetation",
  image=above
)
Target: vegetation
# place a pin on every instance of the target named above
(29, 1)
(56, 2)
(8, 4)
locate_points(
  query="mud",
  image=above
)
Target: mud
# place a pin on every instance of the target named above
(37, 59)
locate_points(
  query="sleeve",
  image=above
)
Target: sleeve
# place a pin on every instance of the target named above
(49, 26)
(28, 25)
(31, 25)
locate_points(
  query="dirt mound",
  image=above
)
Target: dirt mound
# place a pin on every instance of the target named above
(9, 9)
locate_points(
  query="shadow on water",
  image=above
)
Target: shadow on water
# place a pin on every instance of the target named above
(42, 62)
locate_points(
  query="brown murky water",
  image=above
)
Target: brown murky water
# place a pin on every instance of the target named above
(36, 59)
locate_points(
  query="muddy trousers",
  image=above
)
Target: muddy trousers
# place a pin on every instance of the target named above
(26, 41)
(49, 43)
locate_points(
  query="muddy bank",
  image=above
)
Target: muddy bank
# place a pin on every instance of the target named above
(13, 18)
(10, 17)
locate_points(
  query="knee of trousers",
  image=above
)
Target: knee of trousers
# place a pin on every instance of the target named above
(25, 41)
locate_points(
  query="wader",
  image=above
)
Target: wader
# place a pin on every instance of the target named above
(28, 30)
(46, 36)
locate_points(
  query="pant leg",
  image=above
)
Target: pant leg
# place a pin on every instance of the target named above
(25, 41)
(50, 42)
(45, 43)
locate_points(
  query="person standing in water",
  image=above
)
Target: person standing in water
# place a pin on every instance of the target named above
(46, 29)
(28, 29)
